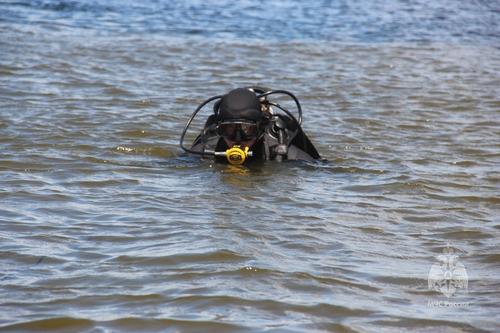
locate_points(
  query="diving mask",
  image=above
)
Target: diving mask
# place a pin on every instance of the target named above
(238, 130)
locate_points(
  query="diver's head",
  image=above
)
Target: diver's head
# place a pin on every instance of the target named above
(239, 117)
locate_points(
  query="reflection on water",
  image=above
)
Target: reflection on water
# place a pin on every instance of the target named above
(106, 225)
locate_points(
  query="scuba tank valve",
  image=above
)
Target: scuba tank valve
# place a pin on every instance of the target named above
(281, 149)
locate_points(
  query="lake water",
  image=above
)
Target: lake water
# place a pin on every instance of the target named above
(105, 225)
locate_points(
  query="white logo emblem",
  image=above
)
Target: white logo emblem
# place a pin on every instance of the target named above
(448, 275)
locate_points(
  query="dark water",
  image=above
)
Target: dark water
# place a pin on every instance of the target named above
(105, 226)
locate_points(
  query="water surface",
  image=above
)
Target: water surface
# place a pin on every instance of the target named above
(106, 226)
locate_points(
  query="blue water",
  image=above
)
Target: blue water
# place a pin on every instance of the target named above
(338, 21)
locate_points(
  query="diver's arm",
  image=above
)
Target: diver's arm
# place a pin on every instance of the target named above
(295, 153)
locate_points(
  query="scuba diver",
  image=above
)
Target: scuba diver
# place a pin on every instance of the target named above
(244, 127)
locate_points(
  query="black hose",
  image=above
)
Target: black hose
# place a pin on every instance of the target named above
(299, 108)
(284, 110)
(181, 141)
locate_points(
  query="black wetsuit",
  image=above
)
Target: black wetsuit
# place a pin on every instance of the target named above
(298, 146)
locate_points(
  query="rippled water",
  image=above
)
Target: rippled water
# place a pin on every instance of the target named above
(106, 226)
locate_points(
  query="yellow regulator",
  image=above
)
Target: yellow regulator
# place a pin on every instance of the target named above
(237, 156)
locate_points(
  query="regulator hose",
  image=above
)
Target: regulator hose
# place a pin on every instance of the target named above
(181, 141)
